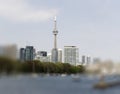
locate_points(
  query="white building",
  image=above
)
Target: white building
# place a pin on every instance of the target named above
(59, 55)
(49, 57)
(42, 56)
(71, 55)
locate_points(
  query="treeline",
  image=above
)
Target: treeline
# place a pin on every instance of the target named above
(11, 66)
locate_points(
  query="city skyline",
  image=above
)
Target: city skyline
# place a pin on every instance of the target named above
(91, 25)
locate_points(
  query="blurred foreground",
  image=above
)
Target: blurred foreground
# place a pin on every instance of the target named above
(106, 68)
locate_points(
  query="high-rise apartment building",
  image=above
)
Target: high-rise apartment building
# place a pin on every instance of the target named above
(71, 55)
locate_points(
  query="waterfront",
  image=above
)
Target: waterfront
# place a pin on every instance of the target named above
(27, 84)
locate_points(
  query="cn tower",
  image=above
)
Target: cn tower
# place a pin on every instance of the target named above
(55, 50)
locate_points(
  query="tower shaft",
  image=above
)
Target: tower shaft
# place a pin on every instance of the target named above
(55, 41)
(55, 50)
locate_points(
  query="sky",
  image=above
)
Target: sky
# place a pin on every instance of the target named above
(91, 25)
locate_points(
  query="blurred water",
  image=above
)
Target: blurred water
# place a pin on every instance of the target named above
(26, 84)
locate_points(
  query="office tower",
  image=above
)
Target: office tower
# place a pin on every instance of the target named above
(83, 59)
(60, 55)
(71, 55)
(29, 53)
(55, 50)
(9, 51)
(22, 54)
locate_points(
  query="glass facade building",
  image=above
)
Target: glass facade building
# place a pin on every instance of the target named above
(27, 54)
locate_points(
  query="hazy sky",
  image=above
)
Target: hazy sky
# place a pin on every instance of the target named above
(92, 25)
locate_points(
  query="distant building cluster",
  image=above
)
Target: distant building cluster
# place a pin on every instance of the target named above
(86, 60)
(70, 54)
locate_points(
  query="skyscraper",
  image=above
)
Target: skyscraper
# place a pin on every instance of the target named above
(59, 55)
(27, 54)
(55, 50)
(71, 55)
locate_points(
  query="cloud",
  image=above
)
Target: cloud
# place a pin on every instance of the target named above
(19, 10)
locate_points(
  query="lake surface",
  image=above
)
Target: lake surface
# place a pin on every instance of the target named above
(27, 84)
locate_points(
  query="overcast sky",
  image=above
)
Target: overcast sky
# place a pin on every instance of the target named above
(92, 25)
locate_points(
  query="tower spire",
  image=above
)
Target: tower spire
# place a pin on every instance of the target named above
(55, 24)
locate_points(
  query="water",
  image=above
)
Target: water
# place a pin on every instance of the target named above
(27, 84)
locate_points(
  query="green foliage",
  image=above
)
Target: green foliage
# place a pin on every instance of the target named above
(10, 66)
